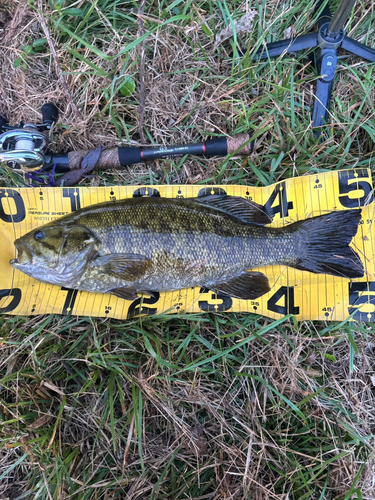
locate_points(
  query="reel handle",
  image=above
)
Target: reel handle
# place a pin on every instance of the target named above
(3, 123)
(50, 113)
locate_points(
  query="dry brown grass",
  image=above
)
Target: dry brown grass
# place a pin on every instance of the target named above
(208, 425)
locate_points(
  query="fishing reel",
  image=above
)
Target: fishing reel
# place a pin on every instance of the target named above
(24, 146)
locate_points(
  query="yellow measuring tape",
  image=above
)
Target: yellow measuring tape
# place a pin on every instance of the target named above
(306, 295)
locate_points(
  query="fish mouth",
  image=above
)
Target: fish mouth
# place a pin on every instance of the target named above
(24, 256)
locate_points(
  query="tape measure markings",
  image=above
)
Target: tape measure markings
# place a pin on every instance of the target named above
(289, 201)
(318, 188)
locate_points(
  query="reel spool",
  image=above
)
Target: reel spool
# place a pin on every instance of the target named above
(23, 146)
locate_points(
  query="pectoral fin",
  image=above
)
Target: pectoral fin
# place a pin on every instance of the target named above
(248, 285)
(242, 208)
(129, 267)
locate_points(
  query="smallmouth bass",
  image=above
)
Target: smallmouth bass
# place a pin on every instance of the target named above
(138, 245)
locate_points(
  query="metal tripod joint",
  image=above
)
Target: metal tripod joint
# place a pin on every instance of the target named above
(328, 52)
(325, 41)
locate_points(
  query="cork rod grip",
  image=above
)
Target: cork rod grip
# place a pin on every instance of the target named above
(108, 159)
(240, 142)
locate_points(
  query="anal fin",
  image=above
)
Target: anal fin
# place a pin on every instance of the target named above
(248, 285)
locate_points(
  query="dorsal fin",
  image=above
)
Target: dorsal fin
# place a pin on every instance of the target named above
(245, 210)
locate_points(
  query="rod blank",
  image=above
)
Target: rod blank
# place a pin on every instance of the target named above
(339, 17)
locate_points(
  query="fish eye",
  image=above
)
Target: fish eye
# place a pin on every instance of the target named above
(38, 235)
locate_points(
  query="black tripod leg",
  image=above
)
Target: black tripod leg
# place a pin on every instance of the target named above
(358, 49)
(323, 93)
(327, 69)
(275, 49)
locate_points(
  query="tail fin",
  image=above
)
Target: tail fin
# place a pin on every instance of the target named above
(326, 244)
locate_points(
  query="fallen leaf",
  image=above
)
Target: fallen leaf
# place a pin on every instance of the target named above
(52, 387)
(244, 25)
(39, 422)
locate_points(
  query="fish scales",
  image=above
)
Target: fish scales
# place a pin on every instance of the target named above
(185, 242)
(161, 244)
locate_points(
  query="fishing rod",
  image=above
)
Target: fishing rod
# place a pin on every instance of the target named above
(26, 147)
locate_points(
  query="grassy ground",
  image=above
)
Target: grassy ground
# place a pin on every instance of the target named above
(211, 406)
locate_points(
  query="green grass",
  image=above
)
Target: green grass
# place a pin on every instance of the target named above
(199, 406)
